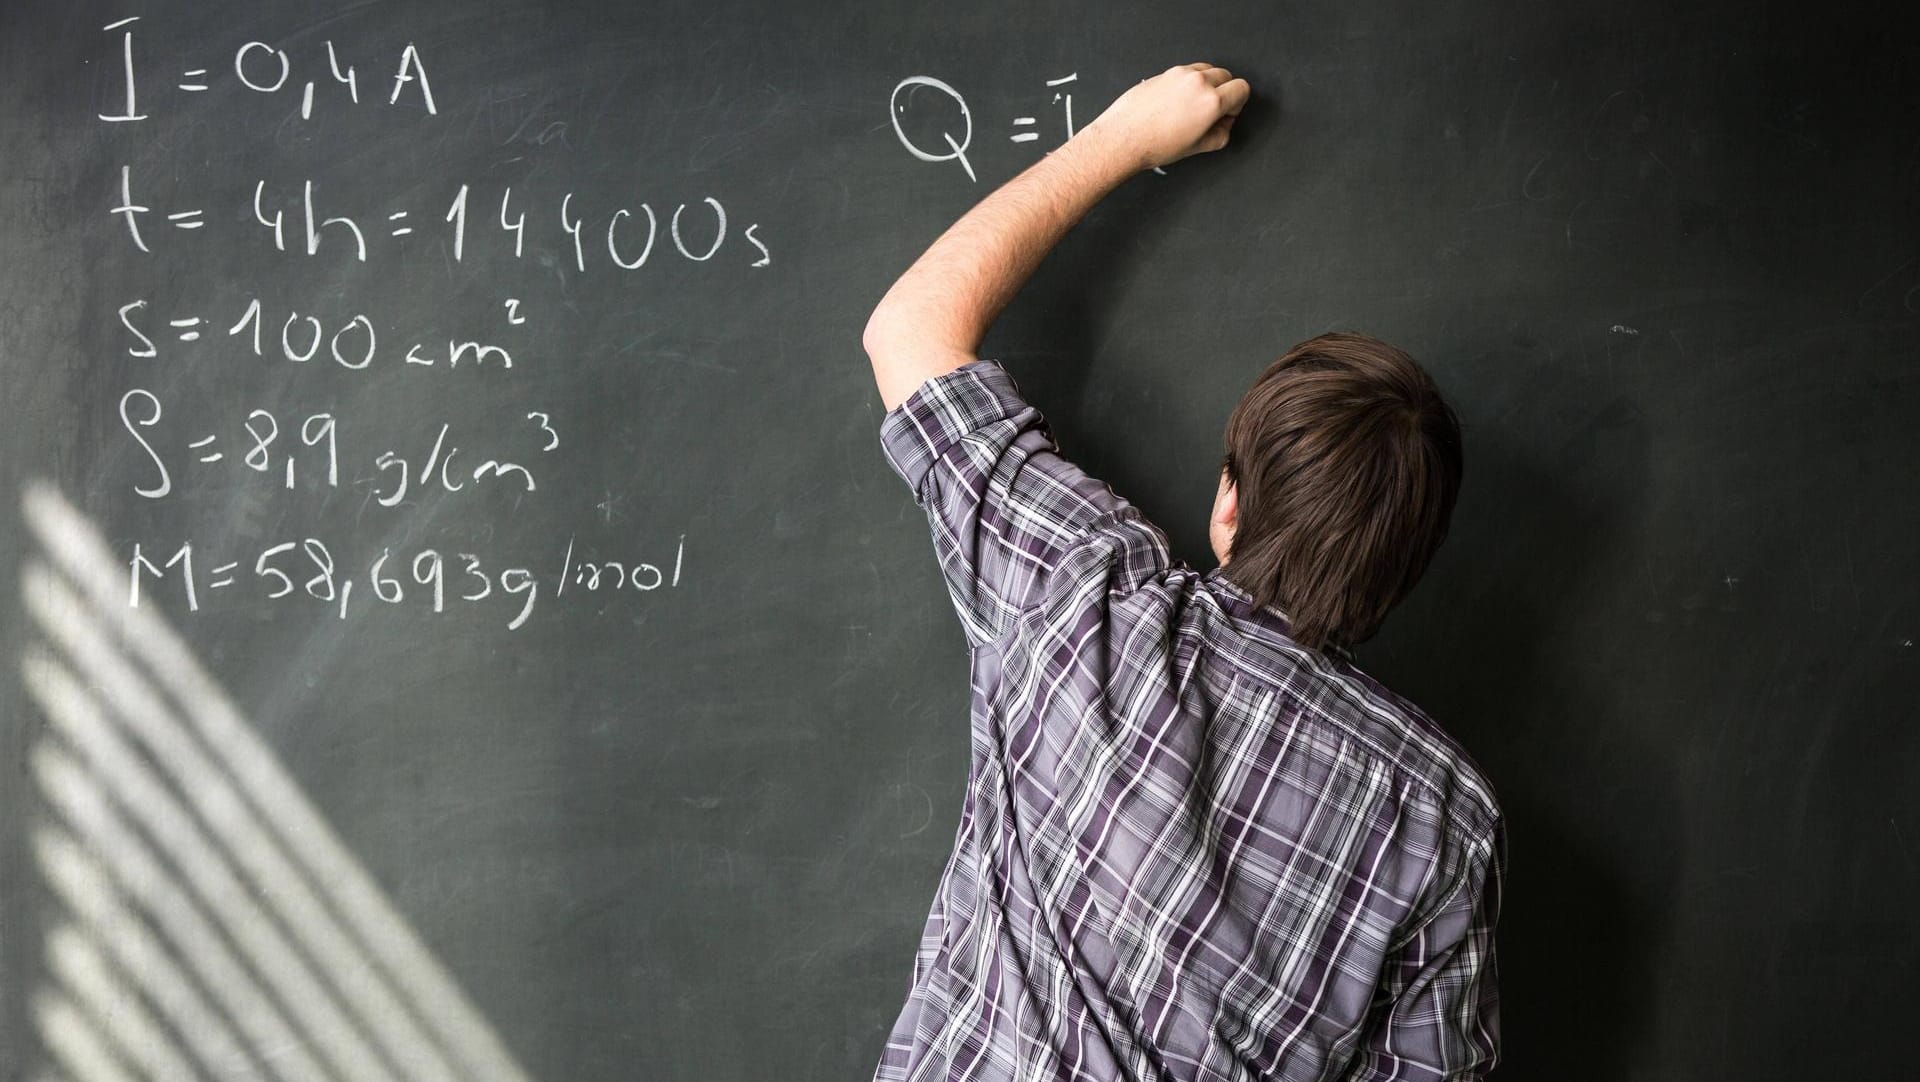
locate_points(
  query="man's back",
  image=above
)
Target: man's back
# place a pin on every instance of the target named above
(1190, 848)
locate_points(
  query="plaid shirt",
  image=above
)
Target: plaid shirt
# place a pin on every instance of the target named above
(1190, 848)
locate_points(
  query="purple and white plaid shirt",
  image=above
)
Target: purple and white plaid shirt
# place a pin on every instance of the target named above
(1190, 848)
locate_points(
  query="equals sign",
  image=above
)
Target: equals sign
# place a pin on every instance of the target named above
(197, 444)
(1025, 136)
(402, 230)
(186, 335)
(186, 219)
(223, 569)
(196, 74)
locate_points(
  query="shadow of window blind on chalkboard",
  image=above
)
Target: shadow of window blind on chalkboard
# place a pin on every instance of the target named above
(205, 922)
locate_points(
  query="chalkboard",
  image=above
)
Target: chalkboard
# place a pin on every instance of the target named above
(460, 625)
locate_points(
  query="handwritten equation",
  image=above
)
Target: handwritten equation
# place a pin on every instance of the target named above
(350, 342)
(307, 569)
(140, 410)
(949, 110)
(263, 69)
(441, 453)
(626, 242)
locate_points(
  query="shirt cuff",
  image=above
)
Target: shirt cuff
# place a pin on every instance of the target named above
(941, 412)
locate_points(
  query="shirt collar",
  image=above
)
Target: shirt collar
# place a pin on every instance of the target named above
(1268, 616)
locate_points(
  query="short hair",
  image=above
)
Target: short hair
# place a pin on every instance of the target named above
(1346, 462)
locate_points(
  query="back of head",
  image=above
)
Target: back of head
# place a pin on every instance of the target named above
(1346, 462)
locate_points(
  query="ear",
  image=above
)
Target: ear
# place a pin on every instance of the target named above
(1226, 505)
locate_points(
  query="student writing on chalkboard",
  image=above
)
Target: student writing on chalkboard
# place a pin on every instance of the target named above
(1198, 841)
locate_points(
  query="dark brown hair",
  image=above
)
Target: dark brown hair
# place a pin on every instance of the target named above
(1346, 461)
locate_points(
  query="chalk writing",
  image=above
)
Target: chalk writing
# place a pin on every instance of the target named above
(267, 451)
(265, 69)
(429, 579)
(944, 109)
(697, 230)
(320, 444)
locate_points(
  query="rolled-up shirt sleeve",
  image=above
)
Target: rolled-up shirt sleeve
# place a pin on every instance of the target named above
(1003, 506)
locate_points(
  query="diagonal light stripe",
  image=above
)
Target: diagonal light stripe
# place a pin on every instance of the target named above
(75, 1044)
(80, 802)
(192, 861)
(89, 980)
(268, 799)
(92, 897)
(360, 982)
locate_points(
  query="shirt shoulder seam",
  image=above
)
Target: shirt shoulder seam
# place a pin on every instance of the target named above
(1484, 813)
(1096, 529)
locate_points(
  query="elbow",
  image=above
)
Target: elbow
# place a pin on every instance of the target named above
(882, 333)
(892, 334)
(873, 337)
(908, 344)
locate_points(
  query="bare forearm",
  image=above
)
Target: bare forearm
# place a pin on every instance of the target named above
(934, 317)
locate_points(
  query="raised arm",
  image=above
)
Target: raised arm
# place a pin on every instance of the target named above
(933, 318)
